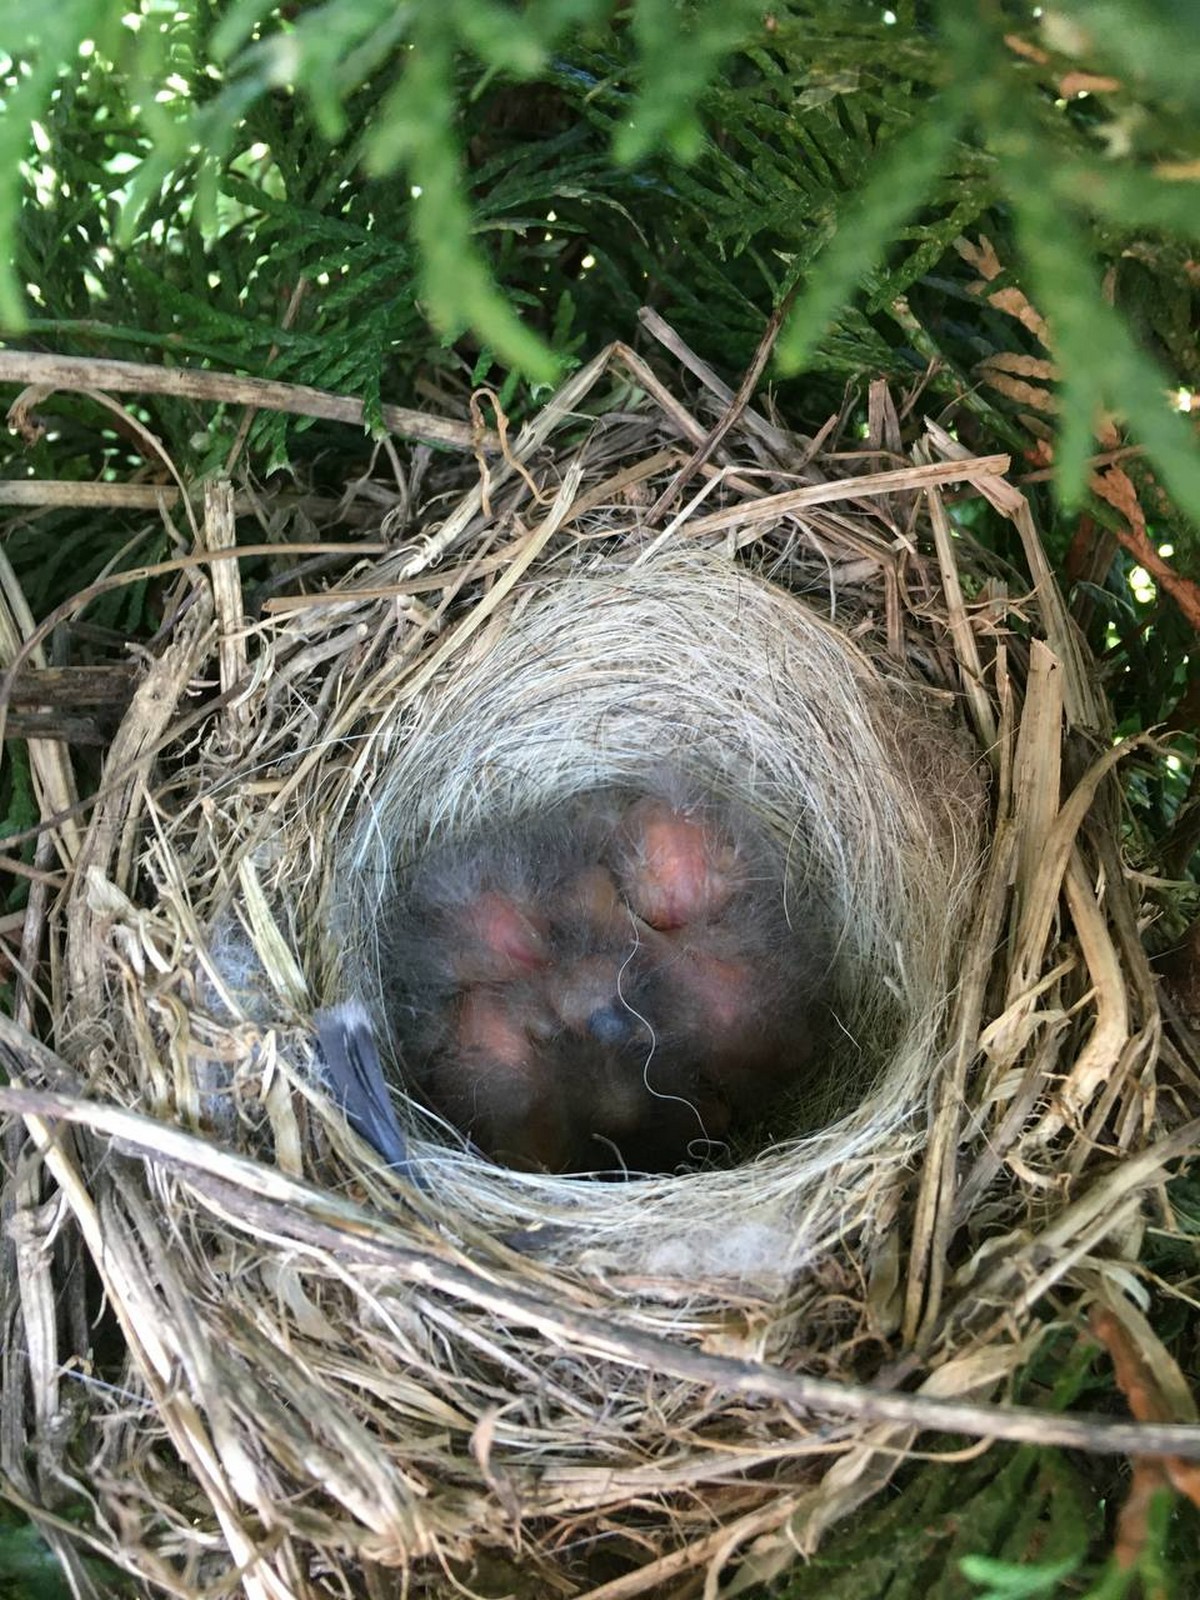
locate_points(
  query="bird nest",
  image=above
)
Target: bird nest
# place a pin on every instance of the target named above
(317, 1364)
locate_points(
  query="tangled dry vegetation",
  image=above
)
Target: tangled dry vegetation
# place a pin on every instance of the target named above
(320, 1377)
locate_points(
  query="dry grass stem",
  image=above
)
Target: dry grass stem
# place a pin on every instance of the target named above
(328, 1369)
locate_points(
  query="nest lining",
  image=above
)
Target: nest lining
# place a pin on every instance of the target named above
(410, 1377)
(599, 677)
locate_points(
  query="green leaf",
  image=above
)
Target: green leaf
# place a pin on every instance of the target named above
(675, 63)
(898, 186)
(1100, 363)
(1007, 1581)
(237, 25)
(1154, 43)
(500, 35)
(42, 47)
(457, 286)
(1129, 197)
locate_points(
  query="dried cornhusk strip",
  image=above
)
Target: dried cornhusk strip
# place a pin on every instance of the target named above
(54, 782)
(289, 1345)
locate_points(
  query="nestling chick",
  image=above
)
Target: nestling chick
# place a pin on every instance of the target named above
(614, 988)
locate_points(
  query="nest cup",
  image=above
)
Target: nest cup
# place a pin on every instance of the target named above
(690, 664)
(529, 1383)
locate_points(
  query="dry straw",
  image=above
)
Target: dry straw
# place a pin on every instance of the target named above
(506, 1382)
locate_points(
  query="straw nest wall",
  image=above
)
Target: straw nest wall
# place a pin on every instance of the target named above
(509, 1380)
(601, 677)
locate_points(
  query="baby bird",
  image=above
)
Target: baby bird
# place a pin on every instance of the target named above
(615, 988)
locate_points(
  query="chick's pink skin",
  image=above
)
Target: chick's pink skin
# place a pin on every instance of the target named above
(590, 901)
(578, 990)
(750, 1049)
(673, 869)
(719, 993)
(498, 939)
(491, 1033)
(495, 1084)
(548, 1064)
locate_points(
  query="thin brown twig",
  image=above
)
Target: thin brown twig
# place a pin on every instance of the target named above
(53, 372)
(773, 506)
(245, 1193)
(158, 569)
(295, 301)
(732, 413)
(177, 730)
